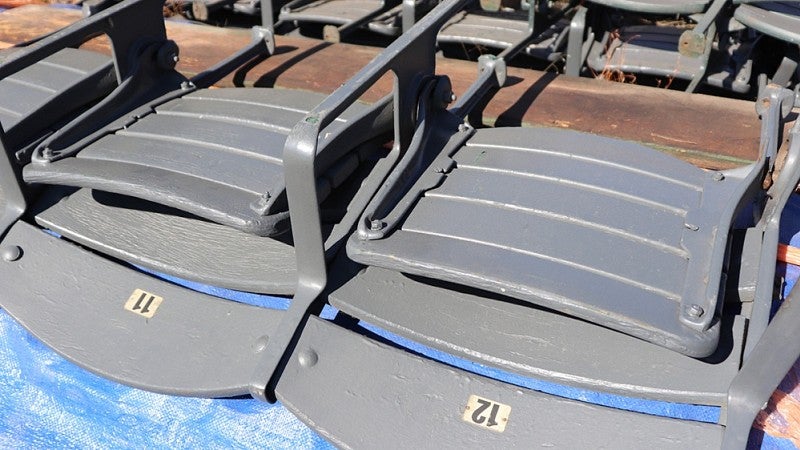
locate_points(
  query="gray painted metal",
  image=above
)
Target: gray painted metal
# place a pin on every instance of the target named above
(645, 49)
(45, 92)
(338, 12)
(776, 352)
(113, 22)
(362, 394)
(503, 30)
(167, 241)
(656, 50)
(366, 296)
(37, 98)
(345, 16)
(777, 19)
(582, 215)
(194, 344)
(657, 6)
(475, 208)
(498, 332)
(212, 153)
(773, 348)
(416, 94)
(777, 195)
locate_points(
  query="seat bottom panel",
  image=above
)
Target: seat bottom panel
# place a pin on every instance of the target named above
(499, 33)
(216, 154)
(496, 331)
(589, 226)
(171, 242)
(129, 327)
(336, 12)
(385, 396)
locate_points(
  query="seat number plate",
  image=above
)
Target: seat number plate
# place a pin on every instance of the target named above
(487, 413)
(143, 303)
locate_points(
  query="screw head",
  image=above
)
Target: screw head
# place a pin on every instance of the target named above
(718, 176)
(695, 311)
(376, 225)
(308, 358)
(11, 253)
(167, 55)
(261, 344)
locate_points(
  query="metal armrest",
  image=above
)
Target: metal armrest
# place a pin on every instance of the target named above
(412, 59)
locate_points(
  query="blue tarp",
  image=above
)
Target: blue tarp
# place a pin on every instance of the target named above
(46, 401)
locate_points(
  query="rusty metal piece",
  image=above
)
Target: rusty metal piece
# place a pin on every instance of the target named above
(330, 33)
(496, 5)
(692, 44)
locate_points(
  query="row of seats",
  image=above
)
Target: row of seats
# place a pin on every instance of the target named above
(552, 254)
(722, 43)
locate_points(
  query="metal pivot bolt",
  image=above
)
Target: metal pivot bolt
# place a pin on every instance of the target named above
(376, 225)
(443, 92)
(695, 311)
(11, 253)
(167, 56)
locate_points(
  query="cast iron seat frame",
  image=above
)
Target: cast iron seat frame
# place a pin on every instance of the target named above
(222, 348)
(475, 319)
(129, 116)
(213, 154)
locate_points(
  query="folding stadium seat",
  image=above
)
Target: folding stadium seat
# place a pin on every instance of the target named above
(167, 175)
(492, 26)
(642, 37)
(340, 18)
(546, 254)
(555, 255)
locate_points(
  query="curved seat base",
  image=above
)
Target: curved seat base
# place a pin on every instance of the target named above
(106, 318)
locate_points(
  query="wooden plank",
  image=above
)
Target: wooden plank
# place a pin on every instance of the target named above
(712, 132)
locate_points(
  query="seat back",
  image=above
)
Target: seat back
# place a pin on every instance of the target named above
(567, 221)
